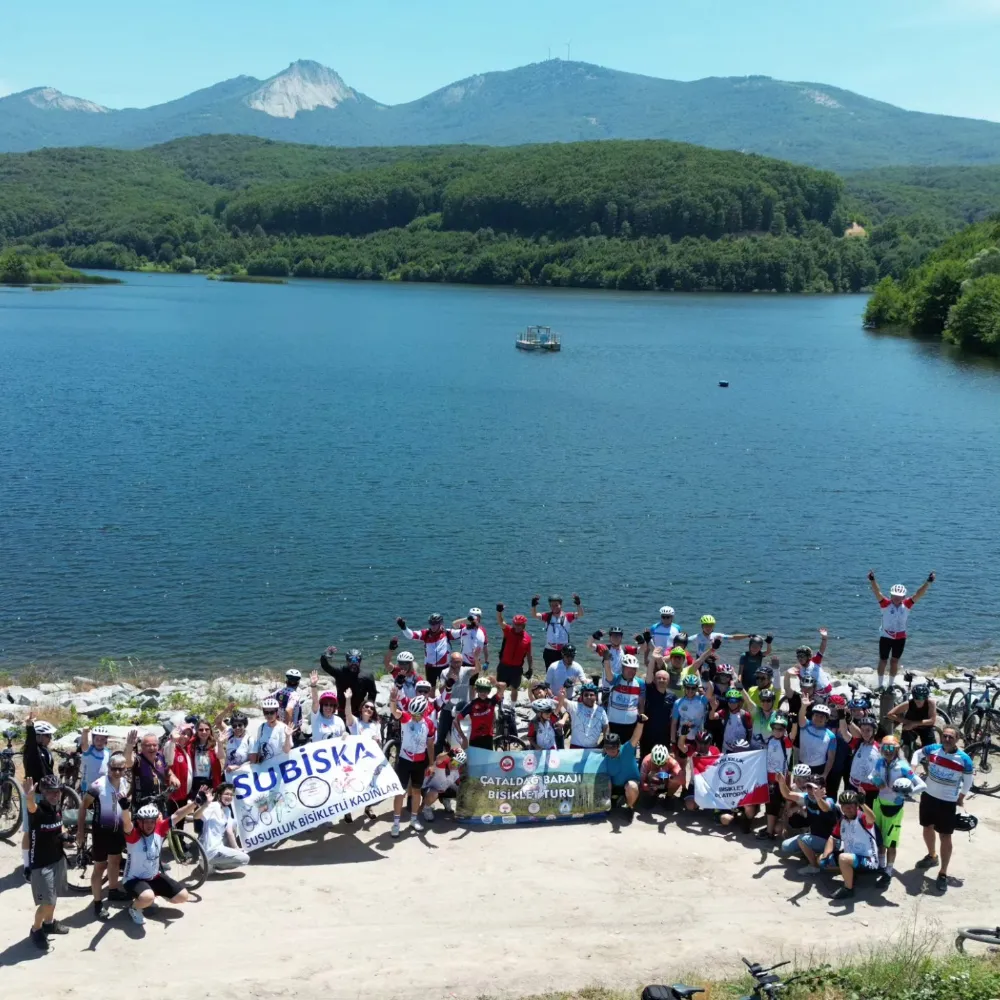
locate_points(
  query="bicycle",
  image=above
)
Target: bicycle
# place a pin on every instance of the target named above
(183, 850)
(961, 704)
(10, 790)
(985, 762)
(766, 985)
(505, 730)
(984, 935)
(391, 732)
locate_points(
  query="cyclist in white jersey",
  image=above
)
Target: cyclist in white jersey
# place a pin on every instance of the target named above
(472, 638)
(664, 631)
(556, 624)
(855, 833)
(94, 755)
(892, 633)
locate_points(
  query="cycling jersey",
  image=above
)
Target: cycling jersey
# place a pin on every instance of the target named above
(143, 861)
(663, 636)
(45, 829)
(93, 765)
(615, 654)
(289, 695)
(237, 750)
(441, 777)
(866, 757)
(702, 641)
(413, 736)
(458, 694)
(437, 644)
(543, 732)
(823, 683)
(693, 710)
(588, 723)
(409, 686)
(515, 647)
(948, 774)
(815, 744)
(777, 756)
(762, 722)
(736, 726)
(557, 628)
(855, 835)
(471, 638)
(107, 811)
(885, 776)
(327, 729)
(481, 713)
(623, 705)
(653, 778)
(894, 618)
(821, 823)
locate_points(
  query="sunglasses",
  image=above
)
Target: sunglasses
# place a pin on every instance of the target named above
(270, 711)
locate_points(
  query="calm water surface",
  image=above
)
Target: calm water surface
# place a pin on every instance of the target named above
(202, 474)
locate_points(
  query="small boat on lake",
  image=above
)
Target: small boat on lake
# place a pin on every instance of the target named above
(538, 338)
(723, 385)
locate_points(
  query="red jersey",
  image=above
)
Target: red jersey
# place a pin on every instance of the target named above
(515, 648)
(481, 713)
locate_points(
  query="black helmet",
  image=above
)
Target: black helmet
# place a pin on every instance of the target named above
(921, 691)
(435, 620)
(568, 648)
(238, 718)
(740, 746)
(49, 783)
(965, 822)
(765, 671)
(555, 597)
(612, 740)
(681, 639)
(353, 656)
(758, 639)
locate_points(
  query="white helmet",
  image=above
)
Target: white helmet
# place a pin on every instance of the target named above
(628, 660)
(659, 754)
(293, 673)
(405, 657)
(418, 705)
(100, 731)
(543, 705)
(269, 705)
(460, 758)
(802, 771)
(666, 610)
(478, 612)
(148, 811)
(424, 685)
(43, 728)
(897, 590)
(902, 786)
(820, 708)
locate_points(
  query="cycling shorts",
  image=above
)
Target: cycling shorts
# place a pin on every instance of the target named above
(888, 825)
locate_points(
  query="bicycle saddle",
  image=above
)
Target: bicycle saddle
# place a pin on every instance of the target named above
(969, 676)
(685, 992)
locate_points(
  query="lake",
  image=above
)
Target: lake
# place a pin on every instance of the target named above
(203, 474)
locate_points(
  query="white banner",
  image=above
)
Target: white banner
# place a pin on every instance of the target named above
(308, 787)
(734, 779)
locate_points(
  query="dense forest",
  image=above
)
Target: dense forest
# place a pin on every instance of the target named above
(954, 294)
(636, 215)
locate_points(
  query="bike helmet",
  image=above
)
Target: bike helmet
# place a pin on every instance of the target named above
(860, 704)
(423, 685)
(612, 740)
(897, 590)
(708, 619)
(703, 738)
(483, 684)
(555, 599)
(435, 620)
(965, 822)
(740, 746)
(353, 656)
(43, 728)
(805, 651)
(520, 620)
(780, 720)
(405, 657)
(733, 695)
(269, 705)
(868, 720)
(588, 688)
(764, 670)
(808, 678)
(478, 612)
(921, 692)
(659, 754)
(902, 786)
(820, 708)
(849, 798)
(838, 701)
(629, 662)
(293, 675)
(616, 630)
(802, 771)
(328, 696)
(148, 811)
(569, 648)
(418, 705)
(666, 611)
(724, 668)
(756, 640)
(681, 639)
(238, 718)
(543, 705)
(48, 783)
(678, 651)
(691, 681)
(766, 695)
(460, 758)
(100, 731)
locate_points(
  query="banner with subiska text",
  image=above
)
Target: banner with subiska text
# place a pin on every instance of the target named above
(734, 779)
(314, 784)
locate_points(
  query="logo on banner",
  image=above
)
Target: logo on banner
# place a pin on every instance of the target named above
(529, 763)
(730, 773)
(506, 764)
(487, 818)
(313, 792)
(534, 808)
(505, 807)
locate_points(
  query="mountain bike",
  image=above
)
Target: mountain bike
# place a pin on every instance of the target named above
(984, 935)
(985, 762)
(981, 723)
(10, 790)
(962, 704)
(766, 985)
(505, 730)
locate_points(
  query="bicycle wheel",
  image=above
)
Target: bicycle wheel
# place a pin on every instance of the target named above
(984, 935)
(958, 706)
(80, 866)
(10, 807)
(975, 727)
(187, 859)
(509, 743)
(391, 752)
(943, 719)
(985, 767)
(71, 806)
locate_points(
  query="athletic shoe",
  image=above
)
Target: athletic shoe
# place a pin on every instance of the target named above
(764, 835)
(394, 832)
(449, 806)
(928, 861)
(941, 883)
(415, 825)
(629, 815)
(844, 893)
(348, 818)
(428, 814)
(55, 927)
(136, 915)
(883, 879)
(119, 895)
(39, 939)
(101, 909)
(369, 812)
(809, 870)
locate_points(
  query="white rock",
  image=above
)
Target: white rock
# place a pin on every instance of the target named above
(25, 696)
(47, 688)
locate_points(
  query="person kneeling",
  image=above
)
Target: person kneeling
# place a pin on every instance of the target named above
(144, 840)
(659, 775)
(623, 769)
(218, 829)
(858, 848)
(441, 781)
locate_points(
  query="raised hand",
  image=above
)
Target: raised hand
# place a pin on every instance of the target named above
(931, 576)
(576, 600)
(314, 678)
(535, 600)
(823, 632)
(401, 623)
(500, 606)
(871, 576)
(133, 735)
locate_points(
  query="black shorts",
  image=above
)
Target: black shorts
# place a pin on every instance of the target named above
(623, 729)
(550, 656)
(775, 800)
(433, 673)
(162, 885)
(938, 814)
(105, 843)
(482, 742)
(411, 772)
(890, 647)
(511, 676)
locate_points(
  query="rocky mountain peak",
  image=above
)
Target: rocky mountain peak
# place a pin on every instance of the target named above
(304, 86)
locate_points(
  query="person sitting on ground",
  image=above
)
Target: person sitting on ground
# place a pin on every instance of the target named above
(917, 718)
(144, 880)
(622, 768)
(627, 695)
(804, 795)
(94, 755)
(778, 748)
(515, 650)
(103, 802)
(896, 782)
(326, 723)
(542, 728)
(588, 719)
(660, 776)
(852, 844)
(565, 668)
(481, 712)
(691, 709)
(37, 759)
(700, 748)
(556, 626)
(274, 737)
(817, 743)
(416, 748)
(753, 659)
(46, 860)
(218, 829)
(441, 782)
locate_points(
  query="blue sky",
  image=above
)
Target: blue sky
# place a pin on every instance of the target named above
(928, 55)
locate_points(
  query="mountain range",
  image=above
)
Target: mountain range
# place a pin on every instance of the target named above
(551, 101)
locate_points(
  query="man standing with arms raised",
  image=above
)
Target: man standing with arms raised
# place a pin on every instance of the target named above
(556, 624)
(892, 634)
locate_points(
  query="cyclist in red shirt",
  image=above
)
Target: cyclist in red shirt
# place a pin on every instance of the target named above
(481, 713)
(514, 650)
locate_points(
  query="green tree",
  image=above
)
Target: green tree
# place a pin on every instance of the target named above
(974, 320)
(13, 268)
(184, 264)
(887, 306)
(937, 291)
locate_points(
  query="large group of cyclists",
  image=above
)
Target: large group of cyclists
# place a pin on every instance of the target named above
(155, 818)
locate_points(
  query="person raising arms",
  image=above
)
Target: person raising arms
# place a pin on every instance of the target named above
(437, 645)
(707, 636)
(469, 633)
(515, 650)
(556, 625)
(416, 750)
(892, 633)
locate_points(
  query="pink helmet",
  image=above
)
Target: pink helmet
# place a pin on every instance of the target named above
(328, 696)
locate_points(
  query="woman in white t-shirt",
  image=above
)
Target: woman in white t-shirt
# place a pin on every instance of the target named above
(273, 738)
(366, 723)
(326, 724)
(218, 829)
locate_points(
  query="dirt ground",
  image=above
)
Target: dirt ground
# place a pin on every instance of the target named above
(502, 912)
